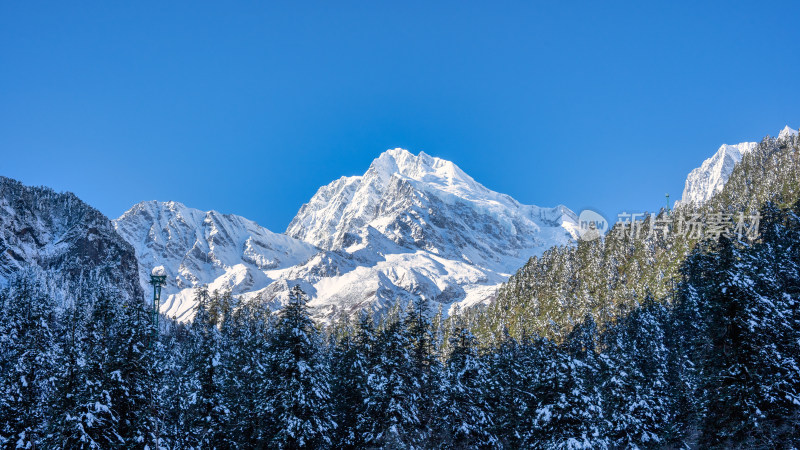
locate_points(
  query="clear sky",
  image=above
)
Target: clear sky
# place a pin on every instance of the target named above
(249, 107)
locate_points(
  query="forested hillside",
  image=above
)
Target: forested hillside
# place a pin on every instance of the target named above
(607, 278)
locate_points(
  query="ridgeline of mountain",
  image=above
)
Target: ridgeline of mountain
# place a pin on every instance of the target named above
(708, 180)
(419, 202)
(223, 251)
(412, 225)
(56, 236)
(606, 278)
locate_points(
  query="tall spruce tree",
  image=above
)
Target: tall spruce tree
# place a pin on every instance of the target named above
(392, 411)
(28, 358)
(634, 368)
(349, 385)
(92, 421)
(465, 420)
(299, 380)
(570, 416)
(425, 365)
(509, 397)
(208, 413)
(245, 337)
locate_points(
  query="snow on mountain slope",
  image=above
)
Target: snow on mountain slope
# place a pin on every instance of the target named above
(419, 202)
(787, 132)
(63, 242)
(197, 247)
(419, 225)
(411, 225)
(709, 179)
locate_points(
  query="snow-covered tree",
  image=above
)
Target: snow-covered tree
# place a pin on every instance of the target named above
(464, 419)
(27, 359)
(299, 380)
(207, 411)
(634, 366)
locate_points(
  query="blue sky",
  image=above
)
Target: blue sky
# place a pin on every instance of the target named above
(248, 108)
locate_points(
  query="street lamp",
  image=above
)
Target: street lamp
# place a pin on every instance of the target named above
(158, 278)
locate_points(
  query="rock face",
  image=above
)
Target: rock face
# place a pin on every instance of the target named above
(418, 202)
(411, 225)
(55, 235)
(709, 179)
(418, 225)
(195, 247)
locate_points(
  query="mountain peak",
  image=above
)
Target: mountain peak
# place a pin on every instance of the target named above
(403, 162)
(426, 172)
(64, 241)
(397, 194)
(196, 247)
(412, 224)
(786, 132)
(708, 179)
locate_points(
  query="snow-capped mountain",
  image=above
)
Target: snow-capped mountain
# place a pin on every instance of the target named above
(418, 202)
(59, 239)
(709, 179)
(197, 247)
(786, 132)
(418, 225)
(411, 225)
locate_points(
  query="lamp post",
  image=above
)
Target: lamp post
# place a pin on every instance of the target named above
(669, 211)
(158, 278)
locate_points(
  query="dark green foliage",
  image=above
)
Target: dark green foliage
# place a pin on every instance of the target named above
(207, 413)
(392, 405)
(636, 397)
(298, 382)
(29, 351)
(464, 419)
(350, 358)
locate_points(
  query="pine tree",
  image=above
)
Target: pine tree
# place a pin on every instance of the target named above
(179, 382)
(750, 369)
(299, 380)
(424, 365)
(245, 337)
(349, 371)
(92, 421)
(28, 357)
(207, 411)
(509, 398)
(465, 420)
(133, 365)
(392, 402)
(70, 379)
(569, 414)
(634, 366)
